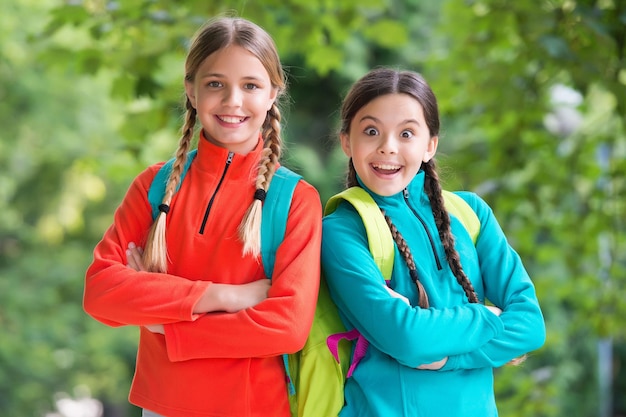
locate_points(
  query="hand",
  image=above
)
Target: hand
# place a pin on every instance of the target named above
(515, 361)
(397, 295)
(232, 298)
(156, 328)
(495, 310)
(247, 295)
(133, 257)
(434, 366)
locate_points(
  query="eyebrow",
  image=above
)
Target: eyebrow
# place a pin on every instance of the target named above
(219, 75)
(369, 118)
(404, 122)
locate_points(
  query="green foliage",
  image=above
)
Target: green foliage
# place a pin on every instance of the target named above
(556, 193)
(91, 94)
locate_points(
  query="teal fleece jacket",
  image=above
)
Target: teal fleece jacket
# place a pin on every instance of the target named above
(387, 382)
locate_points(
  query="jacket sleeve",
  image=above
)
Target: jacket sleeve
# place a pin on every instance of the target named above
(412, 335)
(279, 324)
(117, 295)
(508, 286)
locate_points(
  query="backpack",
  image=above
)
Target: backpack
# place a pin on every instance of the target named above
(320, 369)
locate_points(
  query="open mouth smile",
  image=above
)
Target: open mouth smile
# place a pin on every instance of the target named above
(386, 168)
(232, 119)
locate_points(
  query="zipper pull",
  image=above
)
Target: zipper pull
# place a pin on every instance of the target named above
(230, 158)
(405, 193)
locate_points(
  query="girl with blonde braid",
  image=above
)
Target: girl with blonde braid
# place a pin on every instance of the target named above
(433, 344)
(212, 328)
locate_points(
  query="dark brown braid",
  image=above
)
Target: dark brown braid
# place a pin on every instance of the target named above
(351, 176)
(410, 262)
(442, 220)
(403, 247)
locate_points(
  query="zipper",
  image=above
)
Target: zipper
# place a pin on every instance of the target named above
(219, 184)
(405, 193)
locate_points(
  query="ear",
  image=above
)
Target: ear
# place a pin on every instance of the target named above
(345, 144)
(431, 149)
(190, 91)
(272, 99)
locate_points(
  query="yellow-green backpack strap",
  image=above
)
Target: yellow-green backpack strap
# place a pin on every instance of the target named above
(378, 235)
(458, 207)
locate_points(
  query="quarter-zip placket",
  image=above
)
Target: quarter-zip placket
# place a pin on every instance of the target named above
(405, 193)
(219, 184)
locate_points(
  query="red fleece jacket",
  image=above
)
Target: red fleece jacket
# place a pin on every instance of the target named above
(215, 364)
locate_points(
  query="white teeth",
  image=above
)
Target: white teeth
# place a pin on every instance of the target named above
(387, 167)
(229, 119)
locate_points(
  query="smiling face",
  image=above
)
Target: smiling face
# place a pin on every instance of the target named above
(388, 140)
(232, 94)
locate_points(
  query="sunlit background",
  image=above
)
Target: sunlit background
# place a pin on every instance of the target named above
(533, 102)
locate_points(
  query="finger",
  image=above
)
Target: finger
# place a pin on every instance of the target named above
(130, 261)
(134, 259)
(140, 266)
(137, 256)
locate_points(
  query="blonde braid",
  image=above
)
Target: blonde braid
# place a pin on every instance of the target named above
(155, 252)
(250, 227)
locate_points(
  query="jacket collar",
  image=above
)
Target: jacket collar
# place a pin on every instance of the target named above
(212, 158)
(415, 191)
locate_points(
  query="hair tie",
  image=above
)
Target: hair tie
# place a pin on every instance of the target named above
(260, 194)
(413, 274)
(164, 208)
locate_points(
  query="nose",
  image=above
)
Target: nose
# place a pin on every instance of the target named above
(388, 145)
(232, 96)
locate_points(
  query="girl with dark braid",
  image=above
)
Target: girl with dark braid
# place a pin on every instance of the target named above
(433, 343)
(213, 330)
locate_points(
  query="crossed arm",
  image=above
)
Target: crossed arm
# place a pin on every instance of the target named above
(434, 366)
(229, 298)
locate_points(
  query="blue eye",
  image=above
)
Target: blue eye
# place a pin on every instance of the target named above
(251, 86)
(214, 84)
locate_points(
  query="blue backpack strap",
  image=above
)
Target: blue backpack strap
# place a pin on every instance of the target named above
(157, 188)
(273, 226)
(275, 213)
